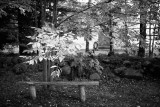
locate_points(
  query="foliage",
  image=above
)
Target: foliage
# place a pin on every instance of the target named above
(9, 61)
(23, 5)
(20, 68)
(85, 64)
(48, 44)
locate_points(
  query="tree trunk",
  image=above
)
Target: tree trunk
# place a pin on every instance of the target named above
(110, 34)
(89, 31)
(150, 39)
(54, 20)
(154, 31)
(48, 71)
(141, 51)
(20, 30)
(36, 15)
(24, 23)
(45, 73)
(87, 45)
(43, 12)
(42, 21)
(152, 52)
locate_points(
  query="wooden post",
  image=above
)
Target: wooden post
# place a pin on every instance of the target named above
(33, 91)
(82, 93)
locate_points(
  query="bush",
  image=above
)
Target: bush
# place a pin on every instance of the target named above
(2, 62)
(9, 62)
(34, 68)
(19, 68)
(81, 66)
(6, 62)
(17, 60)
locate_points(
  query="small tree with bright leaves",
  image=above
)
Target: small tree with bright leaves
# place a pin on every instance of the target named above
(49, 45)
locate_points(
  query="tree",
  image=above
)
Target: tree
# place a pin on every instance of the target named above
(153, 21)
(143, 12)
(9, 16)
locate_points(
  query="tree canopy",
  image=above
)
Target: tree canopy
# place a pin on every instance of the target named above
(116, 18)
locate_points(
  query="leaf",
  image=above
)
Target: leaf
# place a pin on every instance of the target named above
(30, 43)
(28, 51)
(40, 58)
(22, 11)
(61, 58)
(36, 45)
(56, 73)
(31, 62)
(53, 66)
(78, 46)
(28, 36)
(22, 56)
(35, 61)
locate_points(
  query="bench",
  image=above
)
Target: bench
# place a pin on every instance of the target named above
(80, 84)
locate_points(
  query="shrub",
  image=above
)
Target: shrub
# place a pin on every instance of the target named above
(82, 66)
(2, 62)
(8, 62)
(19, 68)
(33, 68)
(49, 44)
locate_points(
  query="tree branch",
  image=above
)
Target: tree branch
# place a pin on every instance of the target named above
(83, 11)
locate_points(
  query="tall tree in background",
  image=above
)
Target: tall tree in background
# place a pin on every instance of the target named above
(143, 14)
(89, 29)
(9, 12)
(55, 13)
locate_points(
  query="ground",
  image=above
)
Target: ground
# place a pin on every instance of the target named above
(110, 93)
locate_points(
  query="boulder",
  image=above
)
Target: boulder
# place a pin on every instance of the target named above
(66, 70)
(146, 63)
(106, 61)
(117, 79)
(95, 76)
(111, 75)
(119, 70)
(108, 73)
(129, 72)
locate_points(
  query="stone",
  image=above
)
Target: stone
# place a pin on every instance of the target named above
(111, 74)
(106, 61)
(108, 73)
(146, 63)
(119, 70)
(95, 76)
(66, 70)
(129, 72)
(117, 79)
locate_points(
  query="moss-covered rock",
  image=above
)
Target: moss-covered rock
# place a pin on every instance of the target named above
(94, 76)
